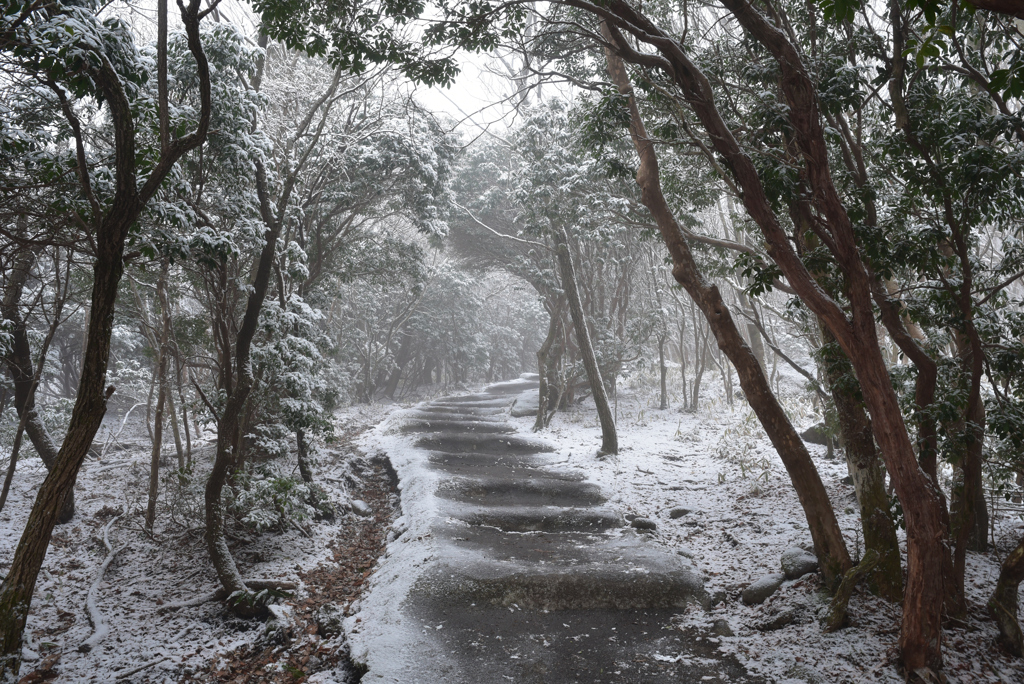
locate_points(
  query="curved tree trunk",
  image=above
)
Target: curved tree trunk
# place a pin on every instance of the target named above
(853, 323)
(19, 364)
(111, 231)
(609, 438)
(229, 423)
(232, 419)
(825, 533)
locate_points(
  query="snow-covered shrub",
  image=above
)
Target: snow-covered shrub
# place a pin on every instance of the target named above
(264, 499)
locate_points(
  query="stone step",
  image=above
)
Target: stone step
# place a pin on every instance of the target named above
(560, 571)
(471, 408)
(450, 425)
(525, 491)
(423, 414)
(512, 387)
(538, 518)
(467, 411)
(467, 399)
(490, 444)
(512, 468)
(593, 646)
(459, 461)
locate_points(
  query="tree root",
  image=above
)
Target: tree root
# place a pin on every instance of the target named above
(836, 617)
(140, 668)
(222, 594)
(96, 619)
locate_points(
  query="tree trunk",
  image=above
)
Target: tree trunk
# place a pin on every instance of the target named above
(154, 456)
(700, 360)
(172, 414)
(178, 371)
(609, 438)
(543, 400)
(229, 425)
(401, 359)
(230, 422)
(163, 390)
(19, 364)
(110, 232)
(923, 506)
(302, 452)
(1003, 604)
(663, 371)
(753, 334)
(682, 360)
(828, 540)
(886, 578)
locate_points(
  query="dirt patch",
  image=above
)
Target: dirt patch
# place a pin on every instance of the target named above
(300, 651)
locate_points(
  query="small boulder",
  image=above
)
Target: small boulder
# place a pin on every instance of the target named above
(804, 672)
(796, 563)
(778, 621)
(644, 524)
(721, 628)
(679, 512)
(360, 507)
(686, 552)
(328, 618)
(280, 627)
(762, 588)
(816, 434)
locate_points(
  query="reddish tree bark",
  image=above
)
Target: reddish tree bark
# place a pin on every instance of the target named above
(828, 538)
(923, 504)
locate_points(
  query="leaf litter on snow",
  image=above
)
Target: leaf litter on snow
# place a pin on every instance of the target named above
(328, 561)
(741, 514)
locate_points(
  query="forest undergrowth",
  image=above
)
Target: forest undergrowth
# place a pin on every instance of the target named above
(720, 498)
(327, 560)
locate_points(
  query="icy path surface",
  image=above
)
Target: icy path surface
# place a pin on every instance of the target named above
(509, 567)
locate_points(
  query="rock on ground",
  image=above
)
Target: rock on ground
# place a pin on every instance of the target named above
(796, 563)
(763, 588)
(329, 620)
(644, 524)
(815, 434)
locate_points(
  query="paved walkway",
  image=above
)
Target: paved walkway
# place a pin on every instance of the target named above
(509, 568)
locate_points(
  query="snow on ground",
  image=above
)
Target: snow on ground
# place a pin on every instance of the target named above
(744, 514)
(717, 463)
(149, 573)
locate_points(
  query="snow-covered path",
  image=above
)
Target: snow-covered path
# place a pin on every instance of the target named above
(508, 567)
